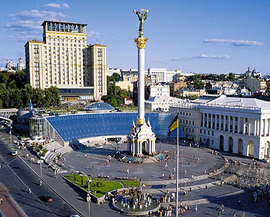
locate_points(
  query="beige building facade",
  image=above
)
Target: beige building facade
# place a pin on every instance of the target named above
(64, 60)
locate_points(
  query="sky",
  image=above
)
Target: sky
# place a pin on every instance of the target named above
(202, 36)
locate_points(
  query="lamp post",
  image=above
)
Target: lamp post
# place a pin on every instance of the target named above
(10, 132)
(40, 166)
(88, 196)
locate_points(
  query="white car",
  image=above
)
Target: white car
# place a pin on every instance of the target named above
(14, 153)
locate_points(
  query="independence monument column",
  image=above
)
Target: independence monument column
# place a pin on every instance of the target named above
(141, 139)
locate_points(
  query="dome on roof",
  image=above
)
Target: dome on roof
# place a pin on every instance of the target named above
(99, 106)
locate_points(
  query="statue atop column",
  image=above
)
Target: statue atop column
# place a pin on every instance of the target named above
(142, 15)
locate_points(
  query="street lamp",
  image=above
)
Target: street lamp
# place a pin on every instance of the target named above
(40, 166)
(10, 132)
(88, 197)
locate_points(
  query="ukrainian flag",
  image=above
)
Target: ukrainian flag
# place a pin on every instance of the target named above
(174, 124)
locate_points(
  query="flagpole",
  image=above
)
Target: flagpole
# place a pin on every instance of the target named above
(177, 168)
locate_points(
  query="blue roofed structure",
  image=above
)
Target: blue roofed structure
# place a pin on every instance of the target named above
(96, 106)
(72, 127)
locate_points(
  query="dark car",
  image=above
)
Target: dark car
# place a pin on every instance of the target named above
(46, 198)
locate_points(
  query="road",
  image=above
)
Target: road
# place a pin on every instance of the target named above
(18, 178)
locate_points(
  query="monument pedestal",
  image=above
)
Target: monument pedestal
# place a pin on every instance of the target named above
(141, 140)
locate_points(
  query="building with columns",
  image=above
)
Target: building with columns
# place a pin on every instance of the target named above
(237, 125)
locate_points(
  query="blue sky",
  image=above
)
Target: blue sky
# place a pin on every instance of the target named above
(203, 36)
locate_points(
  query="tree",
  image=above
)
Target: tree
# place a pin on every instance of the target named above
(19, 78)
(27, 94)
(5, 96)
(38, 98)
(3, 78)
(15, 98)
(12, 85)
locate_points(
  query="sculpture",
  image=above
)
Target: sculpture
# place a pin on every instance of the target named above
(142, 15)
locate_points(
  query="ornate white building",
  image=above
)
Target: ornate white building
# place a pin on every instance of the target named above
(237, 125)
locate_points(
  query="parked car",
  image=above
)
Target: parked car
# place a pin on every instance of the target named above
(14, 153)
(46, 198)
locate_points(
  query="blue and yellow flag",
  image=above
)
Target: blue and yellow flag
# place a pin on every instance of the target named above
(174, 124)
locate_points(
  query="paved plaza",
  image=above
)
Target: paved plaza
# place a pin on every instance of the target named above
(200, 173)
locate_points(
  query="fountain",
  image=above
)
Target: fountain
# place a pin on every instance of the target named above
(135, 202)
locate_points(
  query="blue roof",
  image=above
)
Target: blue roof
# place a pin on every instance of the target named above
(99, 106)
(71, 127)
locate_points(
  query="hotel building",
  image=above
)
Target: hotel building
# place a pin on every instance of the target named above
(64, 60)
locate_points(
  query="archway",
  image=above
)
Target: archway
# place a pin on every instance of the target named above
(250, 148)
(230, 144)
(144, 147)
(221, 142)
(240, 146)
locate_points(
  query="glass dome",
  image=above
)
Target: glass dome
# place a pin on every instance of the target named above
(99, 106)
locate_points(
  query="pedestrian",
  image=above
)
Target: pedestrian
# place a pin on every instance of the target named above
(234, 214)
(243, 214)
(190, 189)
(29, 190)
(40, 183)
(196, 208)
(1, 200)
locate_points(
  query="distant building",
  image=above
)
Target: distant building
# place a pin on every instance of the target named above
(159, 90)
(125, 85)
(64, 60)
(162, 103)
(111, 71)
(10, 65)
(20, 65)
(255, 85)
(183, 93)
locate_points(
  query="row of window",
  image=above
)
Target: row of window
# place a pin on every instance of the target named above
(207, 132)
(187, 122)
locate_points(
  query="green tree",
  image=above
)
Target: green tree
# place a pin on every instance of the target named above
(3, 78)
(27, 94)
(15, 98)
(38, 98)
(12, 85)
(19, 78)
(5, 96)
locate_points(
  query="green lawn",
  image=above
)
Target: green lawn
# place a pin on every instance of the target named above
(100, 187)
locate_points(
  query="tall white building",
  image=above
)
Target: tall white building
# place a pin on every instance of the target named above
(64, 60)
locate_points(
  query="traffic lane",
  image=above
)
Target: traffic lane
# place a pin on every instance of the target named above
(29, 203)
(58, 206)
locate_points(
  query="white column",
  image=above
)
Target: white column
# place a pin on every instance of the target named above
(229, 122)
(233, 130)
(211, 121)
(260, 127)
(219, 122)
(268, 126)
(255, 127)
(238, 124)
(203, 119)
(224, 122)
(244, 125)
(264, 127)
(216, 121)
(249, 126)
(141, 59)
(207, 120)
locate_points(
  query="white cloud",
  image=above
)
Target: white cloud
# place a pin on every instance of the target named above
(93, 34)
(36, 14)
(57, 6)
(65, 5)
(210, 56)
(28, 22)
(234, 42)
